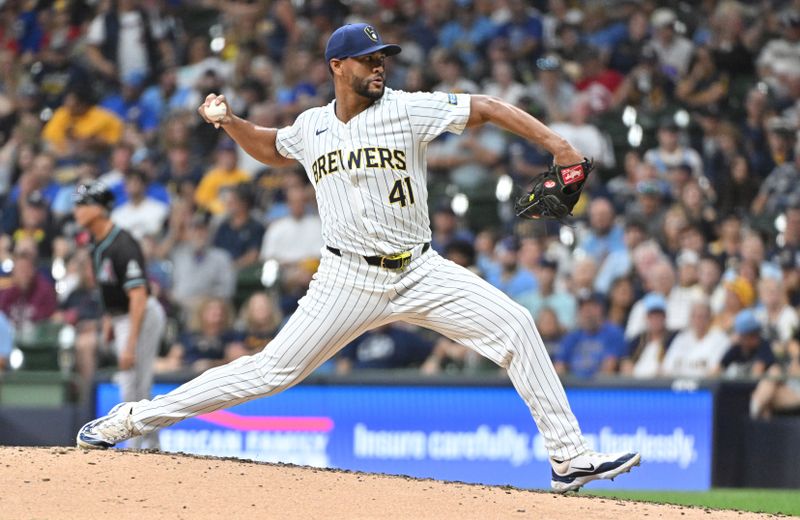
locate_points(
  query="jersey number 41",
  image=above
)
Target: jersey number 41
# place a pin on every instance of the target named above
(400, 194)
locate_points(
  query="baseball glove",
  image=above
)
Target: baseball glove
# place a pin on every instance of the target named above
(555, 192)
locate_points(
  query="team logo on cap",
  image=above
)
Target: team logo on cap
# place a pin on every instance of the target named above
(371, 33)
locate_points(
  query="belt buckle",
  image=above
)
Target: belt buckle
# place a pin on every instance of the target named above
(404, 257)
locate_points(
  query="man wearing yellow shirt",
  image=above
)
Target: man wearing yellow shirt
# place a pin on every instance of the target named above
(79, 126)
(224, 174)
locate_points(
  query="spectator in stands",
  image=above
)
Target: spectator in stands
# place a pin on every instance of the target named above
(697, 350)
(261, 318)
(166, 96)
(659, 278)
(778, 319)
(503, 85)
(645, 352)
(739, 295)
(650, 206)
(674, 51)
(82, 308)
(468, 159)
(704, 86)
(709, 273)
(447, 229)
(207, 341)
(31, 297)
(39, 176)
(507, 275)
(780, 389)
(687, 290)
(240, 234)
(780, 189)
(551, 330)
(224, 174)
(389, 346)
(789, 251)
(140, 215)
(523, 32)
(621, 297)
(200, 271)
(596, 80)
(80, 126)
(548, 295)
(128, 106)
(584, 272)
(595, 346)
(462, 253)
(36, 224)
(618, 263)
(466, 35)
(605, 236)
(450, 71)
(670, 152)
(646, 87)
(179, 173)
(750, 355)
(552, 92)
(586, 136)
(296, 237)
(57, 73)
(123, 41)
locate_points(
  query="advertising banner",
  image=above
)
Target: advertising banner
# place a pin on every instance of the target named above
(471, 434)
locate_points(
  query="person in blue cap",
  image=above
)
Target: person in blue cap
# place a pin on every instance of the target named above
(750, 355)
(365, 154)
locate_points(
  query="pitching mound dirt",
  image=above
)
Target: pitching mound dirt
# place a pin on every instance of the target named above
(66, 483)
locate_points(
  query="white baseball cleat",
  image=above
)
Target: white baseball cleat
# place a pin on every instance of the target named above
(570, 475)
(108, 430)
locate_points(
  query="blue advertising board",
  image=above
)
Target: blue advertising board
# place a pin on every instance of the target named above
(471, 434)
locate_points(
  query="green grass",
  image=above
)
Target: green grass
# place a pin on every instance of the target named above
(785, 501)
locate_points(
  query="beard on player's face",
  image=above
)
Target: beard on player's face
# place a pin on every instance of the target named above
(364, 86)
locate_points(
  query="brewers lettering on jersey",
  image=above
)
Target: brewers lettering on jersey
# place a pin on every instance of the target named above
(364, 153)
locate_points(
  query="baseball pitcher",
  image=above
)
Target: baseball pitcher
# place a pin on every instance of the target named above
(365, 154)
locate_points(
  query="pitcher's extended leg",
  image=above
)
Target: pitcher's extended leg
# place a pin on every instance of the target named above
(460, 305)
(331, 315)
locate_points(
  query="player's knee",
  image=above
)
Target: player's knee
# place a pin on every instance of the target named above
(519, 330)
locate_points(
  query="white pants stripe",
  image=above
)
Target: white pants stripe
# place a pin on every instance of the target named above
(346, 298)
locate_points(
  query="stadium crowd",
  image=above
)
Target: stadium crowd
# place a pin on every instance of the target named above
(683, 259)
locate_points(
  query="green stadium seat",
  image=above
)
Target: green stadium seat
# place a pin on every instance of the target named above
(36, 388)
(39, 346)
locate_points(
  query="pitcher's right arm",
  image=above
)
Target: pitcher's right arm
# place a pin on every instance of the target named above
(258, 141)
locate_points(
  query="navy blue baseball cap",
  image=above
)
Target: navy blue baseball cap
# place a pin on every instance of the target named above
(357, 39)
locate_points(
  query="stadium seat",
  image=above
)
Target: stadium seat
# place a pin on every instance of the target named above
(39, 345)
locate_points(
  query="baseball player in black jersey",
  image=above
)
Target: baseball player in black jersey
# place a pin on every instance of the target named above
(137, 318)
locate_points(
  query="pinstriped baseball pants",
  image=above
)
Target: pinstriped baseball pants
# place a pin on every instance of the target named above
(346, 298)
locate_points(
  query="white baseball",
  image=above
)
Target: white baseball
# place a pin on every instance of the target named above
(215, 112)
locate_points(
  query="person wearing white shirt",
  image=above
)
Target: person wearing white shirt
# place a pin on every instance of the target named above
(647, 351)
(141, 215)
(296, 237)
(697, 351)
(503, 85)
(586, 136)
(776, 316)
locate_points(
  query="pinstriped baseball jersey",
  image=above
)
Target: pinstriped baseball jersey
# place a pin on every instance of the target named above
(370, 173)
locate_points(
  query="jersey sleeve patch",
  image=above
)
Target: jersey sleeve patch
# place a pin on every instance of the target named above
(452, 99)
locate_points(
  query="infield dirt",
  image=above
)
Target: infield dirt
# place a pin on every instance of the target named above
(68, 483)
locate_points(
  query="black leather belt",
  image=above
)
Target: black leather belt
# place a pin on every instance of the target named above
(398, 261)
